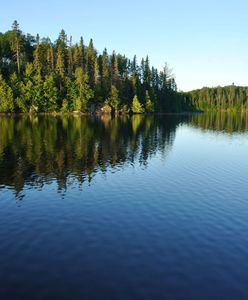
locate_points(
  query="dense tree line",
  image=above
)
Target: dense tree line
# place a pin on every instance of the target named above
(229, 98)
(38, 75)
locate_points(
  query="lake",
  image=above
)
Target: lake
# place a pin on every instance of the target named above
(141, 207)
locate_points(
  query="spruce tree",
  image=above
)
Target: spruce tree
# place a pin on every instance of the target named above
(113, 99)
(82, 58)
(50, 94)
(91, 58)
(149, 104)
(16, 44)
(6, 97)
(37, 56)
(83, 92)
(136, 106)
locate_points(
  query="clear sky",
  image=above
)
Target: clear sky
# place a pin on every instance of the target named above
(204, 41)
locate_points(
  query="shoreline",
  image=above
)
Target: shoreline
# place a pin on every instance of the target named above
(11, 114)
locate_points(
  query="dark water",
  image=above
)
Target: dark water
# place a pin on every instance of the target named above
(125, 208)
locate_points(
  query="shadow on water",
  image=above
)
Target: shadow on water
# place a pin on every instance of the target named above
(38, 149)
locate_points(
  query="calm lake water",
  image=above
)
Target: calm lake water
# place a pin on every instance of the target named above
(124, 208)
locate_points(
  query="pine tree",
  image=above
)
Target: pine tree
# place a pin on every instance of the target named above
(83, 92)
(104, 73)
(134, 75)
(96, 73)
(76, 57)
(81, 54)
(113, 99)
(50, 58)
(50, 94)
(26, 91)
(149, 104)
(147, 74)
(6, 97)
(91, 58)
(70, 58)
(61, 53)
(136, 106)
(60, 64)
(37, 56)
(16, 44)
(114, 69)
(38, 101)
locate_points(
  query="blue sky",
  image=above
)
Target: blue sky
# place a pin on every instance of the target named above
(205, 42)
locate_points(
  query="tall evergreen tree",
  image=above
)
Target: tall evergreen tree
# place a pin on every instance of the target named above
(6, 97)
(136, 106)
(83, 92)
(113, 99)
(91, 58)
(149, 104)
(37, 56)
(16, 44)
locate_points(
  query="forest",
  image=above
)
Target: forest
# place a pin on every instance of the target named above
(41, 76)
(228, 98)
(38, 75)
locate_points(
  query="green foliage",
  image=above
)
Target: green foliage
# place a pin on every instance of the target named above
(50, 94)
(65, 106)
(37, 56)
(149, 104)
(124, 109)
(229, 98)
(136, 106)
(18, 90)
(113, 99)
(81, 90)
(16, 43)
(6, 97)
(60, 64)
(47, 76)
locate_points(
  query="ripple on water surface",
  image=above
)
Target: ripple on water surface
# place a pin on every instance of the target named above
(128, 208)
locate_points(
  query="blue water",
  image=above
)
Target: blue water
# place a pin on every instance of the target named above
(124, 208)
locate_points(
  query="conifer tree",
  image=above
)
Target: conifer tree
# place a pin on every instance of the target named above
(70, 58)
(16, 44)
(50, 94)
(82, 54)
(50, 58)
(149, 104)
(6, 97)
(91, 58)
(26, 92)
(104, 73)
(37, 56)
(136, 106)
(60, 64)
(61, 53)
(83, 92)
(113, 99)
(76, 57)
(114, 69)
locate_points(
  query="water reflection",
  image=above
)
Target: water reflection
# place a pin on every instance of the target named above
(225, 122)
(38, 149)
